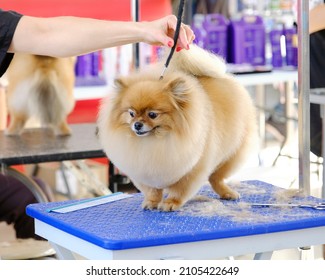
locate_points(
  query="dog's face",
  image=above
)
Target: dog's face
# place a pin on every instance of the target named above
(151, 108)
(142, 121)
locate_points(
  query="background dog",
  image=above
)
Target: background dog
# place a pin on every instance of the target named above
(40, 87)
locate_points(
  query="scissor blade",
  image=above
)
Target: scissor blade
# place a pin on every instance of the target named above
(319, 206)
(274, 205)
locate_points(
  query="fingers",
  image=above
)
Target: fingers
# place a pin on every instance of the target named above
(186, 34)
(186, 37)
(162, 31)
(189, 34)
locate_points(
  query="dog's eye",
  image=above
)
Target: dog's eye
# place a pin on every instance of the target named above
(152, 115)
(132, 114)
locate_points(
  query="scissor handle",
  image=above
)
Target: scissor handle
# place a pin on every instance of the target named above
(320, 206)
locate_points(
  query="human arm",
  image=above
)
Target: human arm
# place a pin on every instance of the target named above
(316, 18)
(3, 107)
(70, 36)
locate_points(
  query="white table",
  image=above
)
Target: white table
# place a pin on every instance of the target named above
(273, 77)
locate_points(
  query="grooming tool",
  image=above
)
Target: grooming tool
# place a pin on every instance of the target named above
(86, 203)
(178, 27)
(316, 206)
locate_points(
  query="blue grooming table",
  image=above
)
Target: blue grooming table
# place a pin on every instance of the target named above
(205, 228)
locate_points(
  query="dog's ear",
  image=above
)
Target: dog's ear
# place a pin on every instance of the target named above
(120, 83)
(179, 88)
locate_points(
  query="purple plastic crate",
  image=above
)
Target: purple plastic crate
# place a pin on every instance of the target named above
(95, 64)
(199, 31)
(84, 65)
(247, 40)
(87, 70)
(216, 26)
(211, 32)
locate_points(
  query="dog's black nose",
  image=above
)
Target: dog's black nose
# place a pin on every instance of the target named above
(138, 125)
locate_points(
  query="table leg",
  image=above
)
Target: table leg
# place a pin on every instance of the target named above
(112, 182)
(289, 116)
(62, 253)
(29, 183)
(289, 112)
(116, 179)
(263, 256)
(260, 103)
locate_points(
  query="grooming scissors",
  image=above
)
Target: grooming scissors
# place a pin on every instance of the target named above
(316, 206)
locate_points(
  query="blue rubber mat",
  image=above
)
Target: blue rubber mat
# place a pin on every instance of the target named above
(124, 224)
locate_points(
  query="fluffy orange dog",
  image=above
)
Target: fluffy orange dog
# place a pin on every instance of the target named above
(40, 87)
(172, 135)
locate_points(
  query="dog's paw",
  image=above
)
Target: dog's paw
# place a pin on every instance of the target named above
(224, 191)
(230, 195)
(150, 204)
(169, 205)
(62, 131)
(10, 132)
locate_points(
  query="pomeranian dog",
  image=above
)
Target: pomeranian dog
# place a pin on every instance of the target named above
(170, 136)
(40, 87)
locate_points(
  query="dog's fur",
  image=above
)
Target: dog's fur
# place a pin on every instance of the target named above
(172, 135)
(40, 87)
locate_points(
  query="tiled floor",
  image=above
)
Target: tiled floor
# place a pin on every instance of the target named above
(267, 173)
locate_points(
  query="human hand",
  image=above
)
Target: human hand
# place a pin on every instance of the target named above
(161, 32)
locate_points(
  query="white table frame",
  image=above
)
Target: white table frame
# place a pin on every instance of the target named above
(262, 245)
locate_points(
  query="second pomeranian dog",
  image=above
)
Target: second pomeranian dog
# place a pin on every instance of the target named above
(170, 136)
(40, 87)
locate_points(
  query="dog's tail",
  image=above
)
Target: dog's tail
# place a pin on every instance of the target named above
(47, 91)
(198, 62)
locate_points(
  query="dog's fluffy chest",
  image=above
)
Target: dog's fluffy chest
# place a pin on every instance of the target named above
(153, 163)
